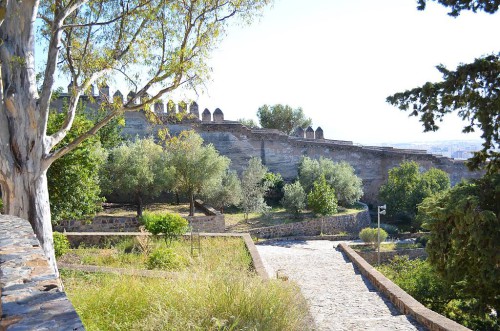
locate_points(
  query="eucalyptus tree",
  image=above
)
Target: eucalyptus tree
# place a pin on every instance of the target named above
(155, 45)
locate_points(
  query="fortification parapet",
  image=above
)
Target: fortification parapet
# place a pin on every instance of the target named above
(194, 110)
(319, 133)
(170, 107)
(206, 116)
(118, 97)
(299, 132)
(130, 96)
(159, 107)
(145, 97)
(218, 116)
(309, 133)
(91, 91)
(182, 107)
(104, 92)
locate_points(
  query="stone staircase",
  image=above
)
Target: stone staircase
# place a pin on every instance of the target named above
(339, 297)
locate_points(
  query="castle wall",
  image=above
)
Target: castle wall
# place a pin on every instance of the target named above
(282, 153)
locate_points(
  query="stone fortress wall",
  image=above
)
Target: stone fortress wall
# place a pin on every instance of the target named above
(278, 151)
(282, 153)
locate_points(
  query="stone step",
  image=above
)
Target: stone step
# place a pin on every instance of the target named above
(392, 323)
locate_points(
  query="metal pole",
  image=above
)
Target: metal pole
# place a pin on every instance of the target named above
(378, 235)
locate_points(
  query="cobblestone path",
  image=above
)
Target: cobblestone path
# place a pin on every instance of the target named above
(339, 298)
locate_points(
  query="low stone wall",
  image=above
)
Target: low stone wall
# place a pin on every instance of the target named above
(96, 238)
(99, 224)
(371, 257)
(405, 303)
(214, 224)
(329, 225)
(31, 298)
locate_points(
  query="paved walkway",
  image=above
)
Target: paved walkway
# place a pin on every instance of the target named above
(339, 298)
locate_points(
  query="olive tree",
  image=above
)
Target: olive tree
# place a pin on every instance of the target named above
(254, 187)
(154, 45)
(139, 169)
(339, 175)
(197, 167)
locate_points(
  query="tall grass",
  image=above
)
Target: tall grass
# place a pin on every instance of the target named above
(217, 291)
(222, 300)
(215, 252)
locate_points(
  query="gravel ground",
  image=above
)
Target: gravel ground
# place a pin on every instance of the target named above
(339, 297)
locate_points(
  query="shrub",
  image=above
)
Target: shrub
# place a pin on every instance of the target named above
(369, 235)
(164, 259)
(422, 241)
(61, 243)
(389, 228)
(294, 197)
(322, 199)
(170, 225)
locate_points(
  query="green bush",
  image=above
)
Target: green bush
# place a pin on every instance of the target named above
(294, 197)
(389, 228)
(170, 225)
(164, 259)
(61, 243)
(322, 199)
(1, 206)
(369, 235)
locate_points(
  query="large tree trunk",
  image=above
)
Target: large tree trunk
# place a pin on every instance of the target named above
(27, 196)
(23, 141)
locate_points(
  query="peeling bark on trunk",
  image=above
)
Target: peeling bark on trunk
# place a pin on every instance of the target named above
(28, 198)
(23, 143)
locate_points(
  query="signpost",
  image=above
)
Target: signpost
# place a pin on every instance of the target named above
(381, 210)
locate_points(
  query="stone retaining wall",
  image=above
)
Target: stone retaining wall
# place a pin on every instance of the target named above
(371, 257)
(31, 298)
(213, 224)
(99, 224)
(405, 303)
(328, 225)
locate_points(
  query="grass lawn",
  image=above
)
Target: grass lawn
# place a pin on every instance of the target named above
(216, 291)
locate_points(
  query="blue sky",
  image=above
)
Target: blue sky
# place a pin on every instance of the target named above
(340, 59)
